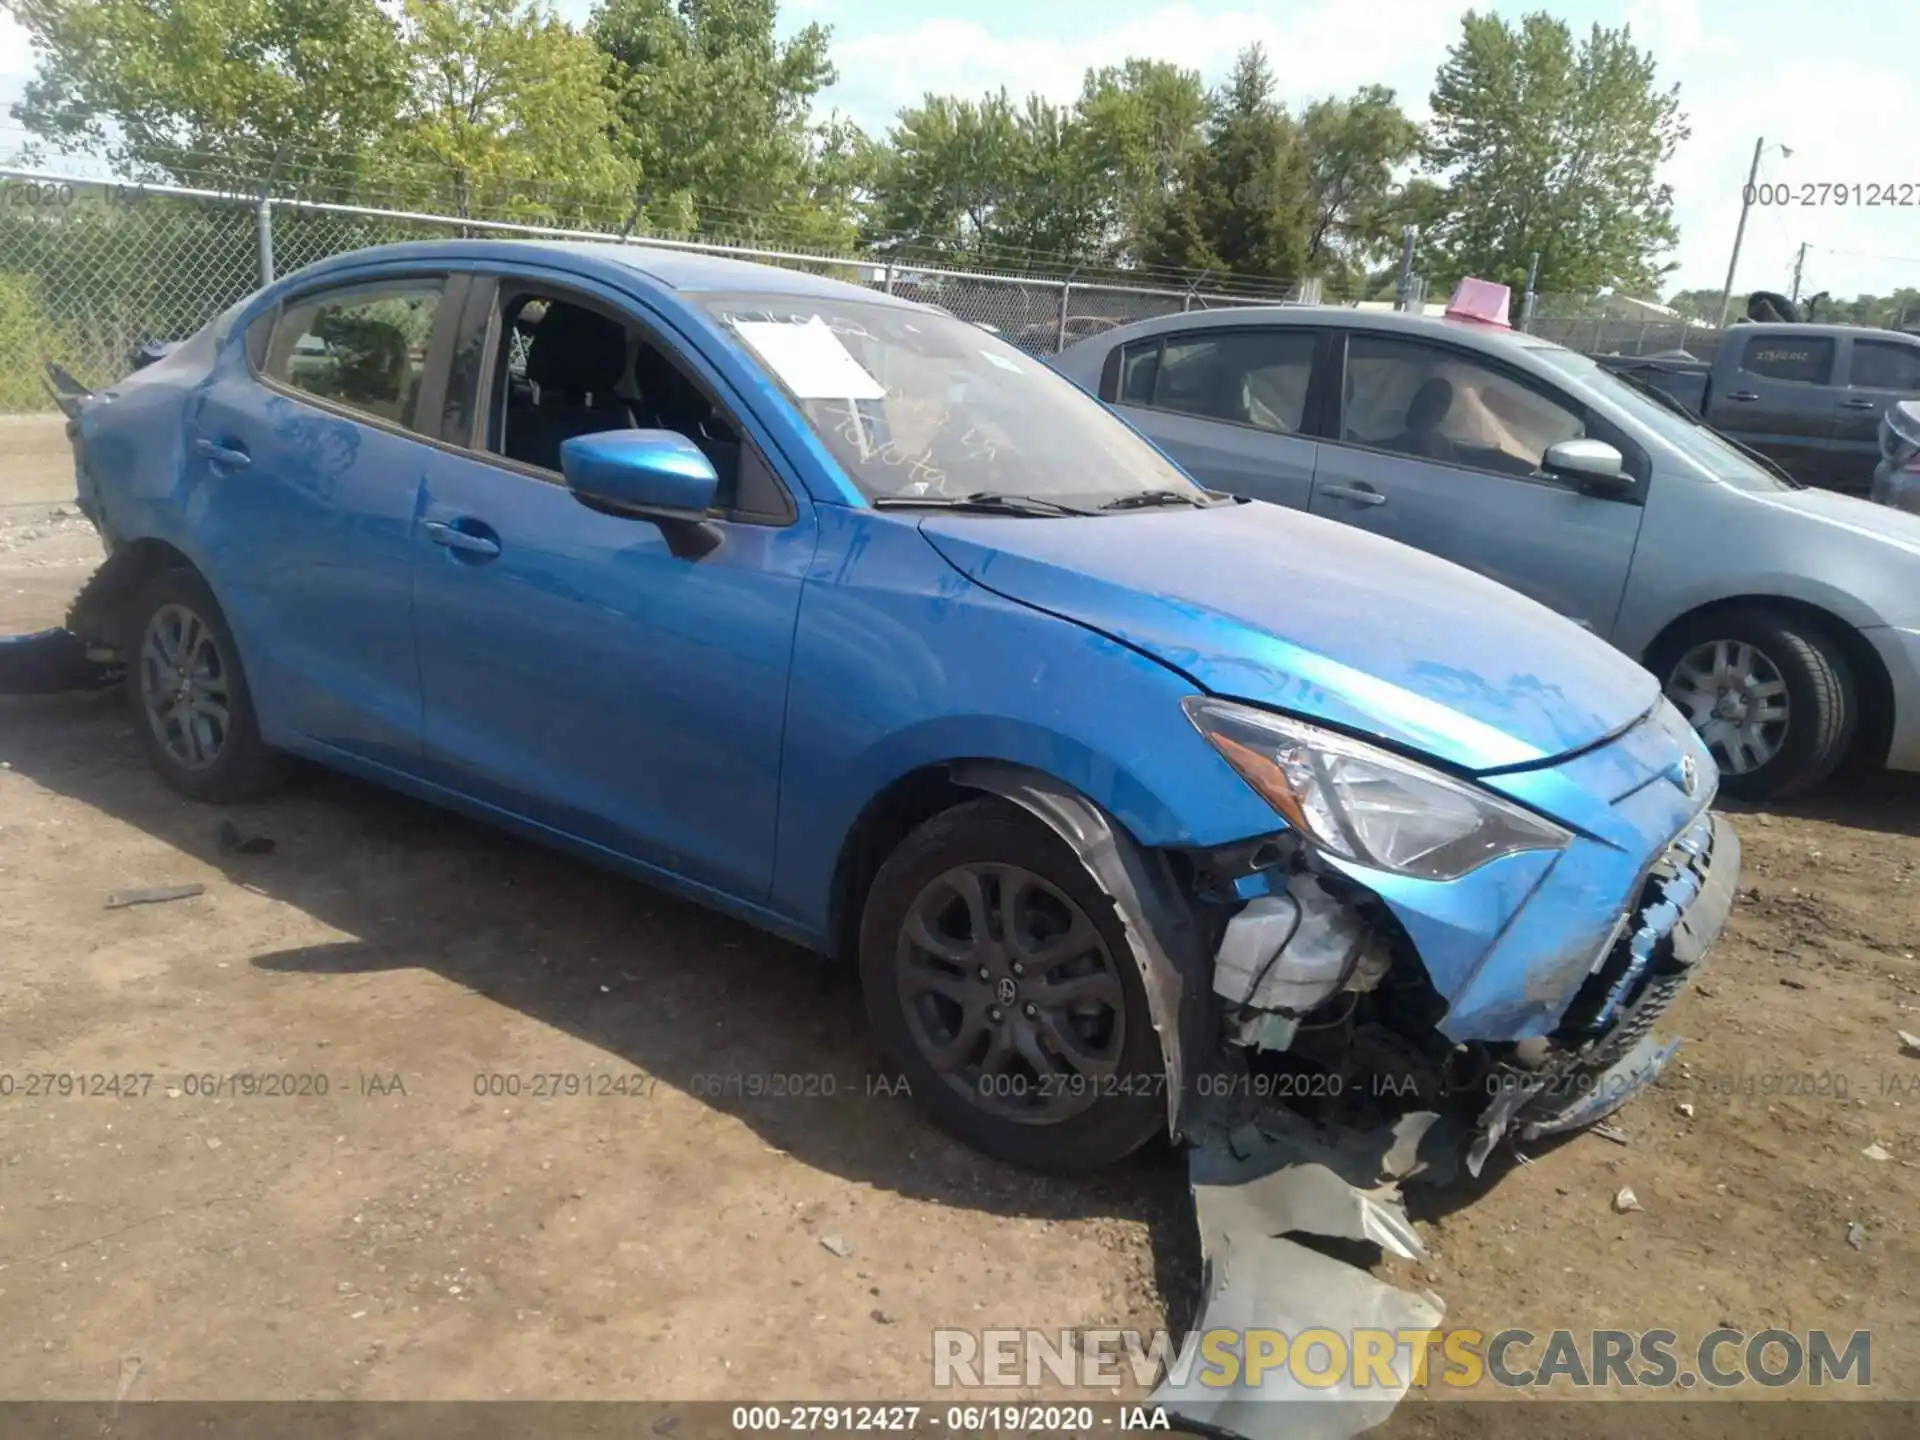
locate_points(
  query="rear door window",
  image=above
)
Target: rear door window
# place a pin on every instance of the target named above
(1248, 377)
(1797, 360)
(363, 347)
(1885, 365)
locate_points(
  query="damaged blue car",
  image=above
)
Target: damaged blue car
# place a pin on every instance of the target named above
(1138, 807)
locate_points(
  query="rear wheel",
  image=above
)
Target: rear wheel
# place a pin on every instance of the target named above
(999, 979)
(191, 705)
(1769, 693)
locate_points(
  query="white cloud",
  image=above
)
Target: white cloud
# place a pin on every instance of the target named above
(16, 56)
(1733, 78)
(1850, 132)
(1311, 48)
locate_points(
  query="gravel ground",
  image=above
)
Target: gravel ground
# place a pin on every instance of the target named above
(756, 1216)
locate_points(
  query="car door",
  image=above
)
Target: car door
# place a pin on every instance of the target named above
(1880, 373)
(308, 448)
(1231, 406)
(577, 672)
(1440, 447)
(1779, 397)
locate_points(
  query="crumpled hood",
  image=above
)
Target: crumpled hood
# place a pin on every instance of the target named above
(1320, 620)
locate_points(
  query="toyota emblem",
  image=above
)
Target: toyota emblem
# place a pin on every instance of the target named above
(1006, 992)
(1689, 774)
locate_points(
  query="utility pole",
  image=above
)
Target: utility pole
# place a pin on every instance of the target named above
(1799, 263)
(1740, 231)
(1403, 289)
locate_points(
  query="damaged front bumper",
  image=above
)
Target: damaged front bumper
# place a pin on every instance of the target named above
(1428, 1022)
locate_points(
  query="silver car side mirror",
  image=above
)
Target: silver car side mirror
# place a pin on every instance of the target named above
(1596, 467)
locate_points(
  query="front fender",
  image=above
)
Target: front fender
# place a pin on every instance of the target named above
(901, 663)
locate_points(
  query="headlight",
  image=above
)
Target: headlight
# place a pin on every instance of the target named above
(1366, 804)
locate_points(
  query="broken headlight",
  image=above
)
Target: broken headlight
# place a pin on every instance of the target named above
(1366, 804)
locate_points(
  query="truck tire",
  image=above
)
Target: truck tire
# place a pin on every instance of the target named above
(1768, 691)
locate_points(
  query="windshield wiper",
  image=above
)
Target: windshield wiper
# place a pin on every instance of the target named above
(1661, 397)
(1146, 499)
(984, 502)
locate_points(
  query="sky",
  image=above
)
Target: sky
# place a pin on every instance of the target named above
(1825, 81)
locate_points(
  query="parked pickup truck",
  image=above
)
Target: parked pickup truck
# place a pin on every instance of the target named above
(1808, 397)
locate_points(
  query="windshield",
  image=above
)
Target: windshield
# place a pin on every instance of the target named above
(917, 405)
(1691, 438)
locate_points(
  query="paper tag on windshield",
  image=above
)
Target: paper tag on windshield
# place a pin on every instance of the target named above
(810, 360)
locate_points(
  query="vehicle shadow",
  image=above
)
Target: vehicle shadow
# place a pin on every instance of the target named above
(700, 1002)
(1859, 797)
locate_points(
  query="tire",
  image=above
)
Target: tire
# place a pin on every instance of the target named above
(1077, 1116)
(1797, 661)
(232, 763)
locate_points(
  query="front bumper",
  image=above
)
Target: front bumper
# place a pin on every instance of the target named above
(1608, 1050)
(1899, 651)
(1509, 946)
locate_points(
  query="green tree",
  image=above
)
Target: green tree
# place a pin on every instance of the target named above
(947, 173)
(1354, 149)
(508, 111)
(1139, 122)
(718, 111)
(1243, 201)
(1549, 146)
(214, 92)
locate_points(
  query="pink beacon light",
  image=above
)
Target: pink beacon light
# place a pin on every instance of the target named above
(1481, 301)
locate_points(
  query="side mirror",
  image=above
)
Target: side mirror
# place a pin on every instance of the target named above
(1596, 467)
(656, 475)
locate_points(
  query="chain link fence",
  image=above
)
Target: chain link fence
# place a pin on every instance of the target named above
(1616, 325)
(91, 270)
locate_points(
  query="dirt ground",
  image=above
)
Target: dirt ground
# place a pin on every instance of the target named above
(404, 1235)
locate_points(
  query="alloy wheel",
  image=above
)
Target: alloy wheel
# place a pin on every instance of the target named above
(184, 687)
(1011, 994)
(1736, 700)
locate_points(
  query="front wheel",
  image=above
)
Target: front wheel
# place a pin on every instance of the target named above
(1770, 694)
(999, 979)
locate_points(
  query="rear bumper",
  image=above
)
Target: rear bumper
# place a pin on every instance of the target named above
(1899, 651)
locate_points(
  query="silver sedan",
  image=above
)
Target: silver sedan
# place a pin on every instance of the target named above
(1785, 622)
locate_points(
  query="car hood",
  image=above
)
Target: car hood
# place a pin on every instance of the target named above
(1895, 528)
(1319, 620)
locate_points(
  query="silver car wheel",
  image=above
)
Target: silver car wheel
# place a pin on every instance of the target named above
(1736, 700)
(183, 684)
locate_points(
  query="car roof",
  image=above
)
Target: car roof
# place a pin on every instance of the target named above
(686, 271)
(1471, 333)
(1822, 330)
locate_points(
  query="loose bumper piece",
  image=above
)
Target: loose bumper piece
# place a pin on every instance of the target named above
(1249, 1192)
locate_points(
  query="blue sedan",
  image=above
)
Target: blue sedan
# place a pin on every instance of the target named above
(848, 618)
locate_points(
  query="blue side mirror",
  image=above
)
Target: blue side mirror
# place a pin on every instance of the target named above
(651, 474)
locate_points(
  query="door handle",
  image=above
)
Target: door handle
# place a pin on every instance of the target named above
(1861, 404)
(221, 454)
(1358, 494)
(1744, 396)
(442, 533)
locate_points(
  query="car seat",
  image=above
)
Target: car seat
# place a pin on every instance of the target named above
(1425, 412)
(577, 359)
